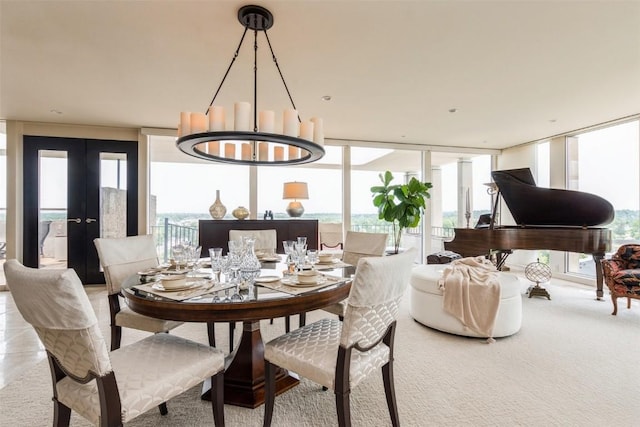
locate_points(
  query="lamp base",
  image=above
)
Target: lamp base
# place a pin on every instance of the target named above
(295, 209)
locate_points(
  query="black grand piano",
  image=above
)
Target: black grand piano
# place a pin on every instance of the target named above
(546, 218)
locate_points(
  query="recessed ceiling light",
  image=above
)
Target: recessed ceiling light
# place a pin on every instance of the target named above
(453, 110)
(326, 98)
(552, 121)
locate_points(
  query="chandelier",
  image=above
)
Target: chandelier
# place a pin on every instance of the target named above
(210, 139)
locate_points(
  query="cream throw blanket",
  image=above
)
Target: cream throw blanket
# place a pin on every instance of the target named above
(472, 293)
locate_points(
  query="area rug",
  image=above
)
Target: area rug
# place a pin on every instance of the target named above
(571, 364)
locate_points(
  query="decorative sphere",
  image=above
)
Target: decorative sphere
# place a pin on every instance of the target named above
(538, 272)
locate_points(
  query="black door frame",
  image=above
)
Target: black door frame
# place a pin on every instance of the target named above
(83, 198)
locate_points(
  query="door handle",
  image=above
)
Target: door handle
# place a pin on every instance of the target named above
(76, 220)
(90, 220)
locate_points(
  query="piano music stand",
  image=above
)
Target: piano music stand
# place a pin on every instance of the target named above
(539, 273)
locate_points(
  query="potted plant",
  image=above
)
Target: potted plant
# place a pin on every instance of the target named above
(402, 204)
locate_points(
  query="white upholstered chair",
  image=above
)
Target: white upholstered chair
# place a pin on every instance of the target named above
(266, 240)
(121, 258)
(357, 245)
(108, 389)
(339, 355)
(331, 236)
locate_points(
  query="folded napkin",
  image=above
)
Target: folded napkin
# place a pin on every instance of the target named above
(292, 289)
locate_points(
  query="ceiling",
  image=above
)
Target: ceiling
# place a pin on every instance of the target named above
(513, 71)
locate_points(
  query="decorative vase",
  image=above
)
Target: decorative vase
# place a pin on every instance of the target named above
(240, 212)
(217, 210)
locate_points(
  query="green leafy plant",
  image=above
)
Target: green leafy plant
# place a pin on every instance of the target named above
(400, 204)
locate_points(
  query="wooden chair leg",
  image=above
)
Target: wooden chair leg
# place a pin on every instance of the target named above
(390, 392)
(217, 398)
(614, 300)
(270, 392)
(163, 408)
(116, 337)
(211, 333)
(61, 414)
(628, 303)
(302, 319)
(287, 324)
(343, 408)
(232, 329)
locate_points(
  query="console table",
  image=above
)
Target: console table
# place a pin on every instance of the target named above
(215, 233)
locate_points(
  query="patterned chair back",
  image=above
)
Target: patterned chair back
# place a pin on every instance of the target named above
(375, 296)
(630, 255)
(125, 256)
(56, 305)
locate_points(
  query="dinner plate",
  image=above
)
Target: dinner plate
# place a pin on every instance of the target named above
(193, 285)
(267, 279)
(269, 259)
(150, 271)
(333, 261)
(293, 281)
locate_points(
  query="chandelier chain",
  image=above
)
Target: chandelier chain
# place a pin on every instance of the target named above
(235, 55)
(275, 60)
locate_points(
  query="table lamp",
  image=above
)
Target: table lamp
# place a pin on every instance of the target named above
(294, 191)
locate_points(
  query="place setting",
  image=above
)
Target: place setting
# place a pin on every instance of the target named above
(298, 283)
(180, 287)
(329, 261)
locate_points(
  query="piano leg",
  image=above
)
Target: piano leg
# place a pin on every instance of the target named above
(599, 279)
(501, 257)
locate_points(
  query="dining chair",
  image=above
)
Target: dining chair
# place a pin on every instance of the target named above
(266, 240)
(121, 258)
(331, 236)
(358, 245)
(106, 388)
(340, 355)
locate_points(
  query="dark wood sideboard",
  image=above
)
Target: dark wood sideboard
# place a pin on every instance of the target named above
(215, 233)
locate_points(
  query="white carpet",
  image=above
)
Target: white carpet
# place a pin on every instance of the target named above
(571, 364)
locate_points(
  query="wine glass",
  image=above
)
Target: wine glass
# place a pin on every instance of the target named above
(178, 254)
(216, 263)
(312, 256)
(287, 245)
(195, 258)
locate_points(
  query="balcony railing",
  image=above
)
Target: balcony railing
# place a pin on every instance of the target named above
(168, 235)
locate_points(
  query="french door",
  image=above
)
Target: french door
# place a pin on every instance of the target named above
(76, 190)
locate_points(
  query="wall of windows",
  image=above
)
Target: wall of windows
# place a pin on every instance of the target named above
(606, 162)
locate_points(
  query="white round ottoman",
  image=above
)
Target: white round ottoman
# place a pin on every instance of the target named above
(426, 303)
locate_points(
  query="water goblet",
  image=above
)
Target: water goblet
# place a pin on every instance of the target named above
(216, 263)
(312, 256)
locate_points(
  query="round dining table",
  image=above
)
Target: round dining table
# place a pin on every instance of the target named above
(244, 380)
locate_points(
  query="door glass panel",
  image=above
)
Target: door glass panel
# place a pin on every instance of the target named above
(52, 216)
(113, 195)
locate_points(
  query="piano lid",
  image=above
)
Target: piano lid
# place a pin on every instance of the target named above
(531, 205)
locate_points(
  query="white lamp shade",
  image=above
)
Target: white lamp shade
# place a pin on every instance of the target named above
(295, 190)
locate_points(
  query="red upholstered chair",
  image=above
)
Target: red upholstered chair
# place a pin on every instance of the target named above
(622, 274)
